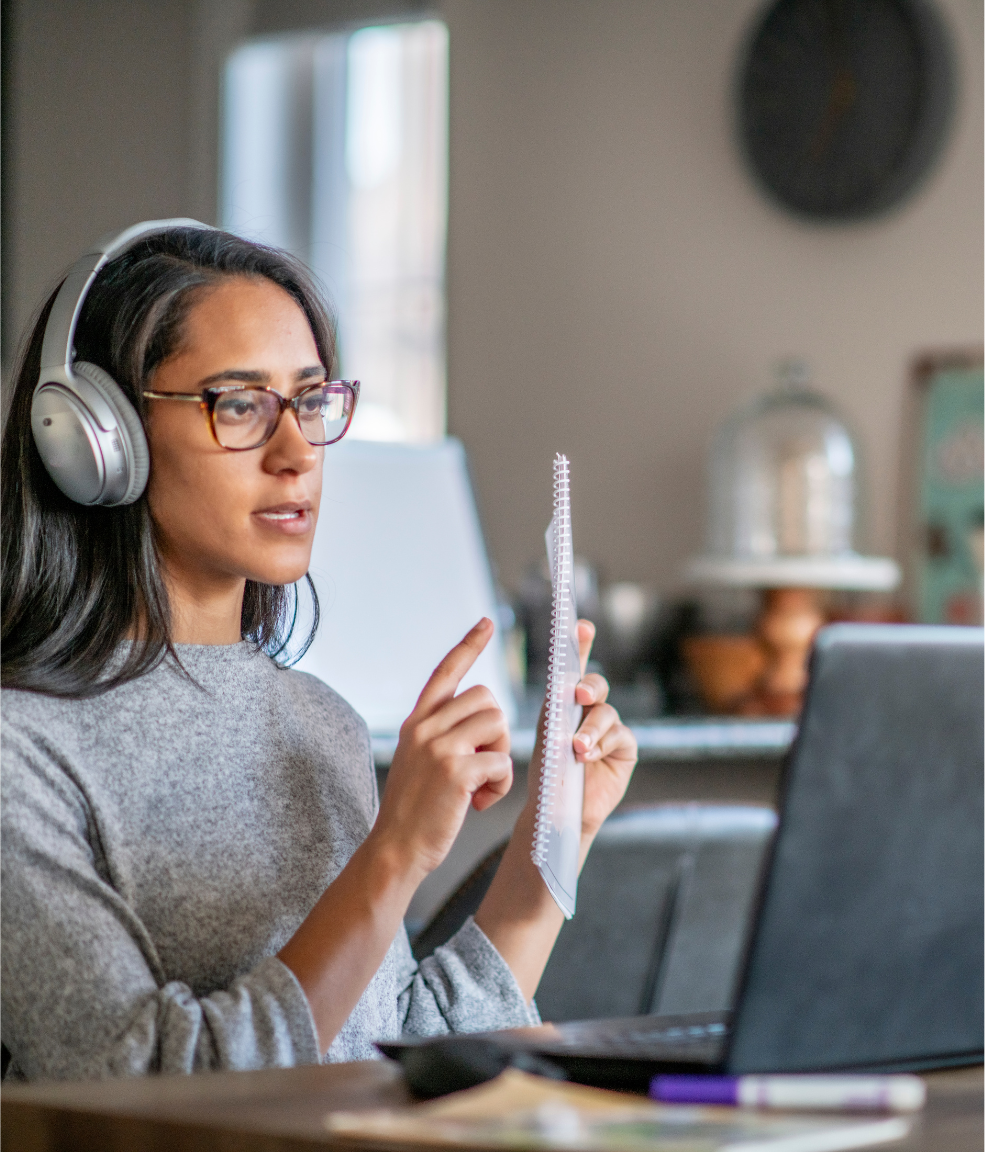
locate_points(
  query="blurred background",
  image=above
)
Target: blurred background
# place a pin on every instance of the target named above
(607, 229)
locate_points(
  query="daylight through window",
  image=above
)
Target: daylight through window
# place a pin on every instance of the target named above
(336, 148)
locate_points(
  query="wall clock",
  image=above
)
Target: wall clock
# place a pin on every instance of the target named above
(844, 104)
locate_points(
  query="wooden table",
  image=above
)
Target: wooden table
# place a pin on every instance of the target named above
(282, 1111)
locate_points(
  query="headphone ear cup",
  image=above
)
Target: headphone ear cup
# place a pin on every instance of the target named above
(130, 426)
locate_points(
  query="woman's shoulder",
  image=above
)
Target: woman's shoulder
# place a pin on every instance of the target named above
(38, 743)
(315, 700)
(44, 732)
(24, 713)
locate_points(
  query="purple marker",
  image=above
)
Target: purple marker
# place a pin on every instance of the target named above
(849, 1093)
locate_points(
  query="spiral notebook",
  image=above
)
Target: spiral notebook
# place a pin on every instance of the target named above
(557, 833)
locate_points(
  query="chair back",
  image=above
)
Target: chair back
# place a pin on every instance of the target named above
(664, 904)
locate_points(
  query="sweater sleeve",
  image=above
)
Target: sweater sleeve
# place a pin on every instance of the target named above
(464, 986)
(83, 993)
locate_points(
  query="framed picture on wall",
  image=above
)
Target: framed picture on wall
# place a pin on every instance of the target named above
(944, 462)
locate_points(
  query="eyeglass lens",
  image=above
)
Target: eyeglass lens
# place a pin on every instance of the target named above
(246, 418)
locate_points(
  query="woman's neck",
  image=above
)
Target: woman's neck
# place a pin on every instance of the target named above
(205, 610)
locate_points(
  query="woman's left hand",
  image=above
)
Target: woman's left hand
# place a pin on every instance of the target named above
(518, 913)
(603, 743)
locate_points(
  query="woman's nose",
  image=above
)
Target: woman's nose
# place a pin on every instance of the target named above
(287, 450)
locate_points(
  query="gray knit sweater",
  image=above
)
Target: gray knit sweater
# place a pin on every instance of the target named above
(160, 843)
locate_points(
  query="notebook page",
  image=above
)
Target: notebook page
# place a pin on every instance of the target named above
(557, 835)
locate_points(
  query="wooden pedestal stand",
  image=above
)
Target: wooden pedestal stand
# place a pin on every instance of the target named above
(786, 627)
(793, 587)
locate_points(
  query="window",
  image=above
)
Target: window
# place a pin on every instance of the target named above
(336, 148)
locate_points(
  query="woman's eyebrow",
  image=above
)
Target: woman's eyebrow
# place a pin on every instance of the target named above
(255, 376)
(242, 375)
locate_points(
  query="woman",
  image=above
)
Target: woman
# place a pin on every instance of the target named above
(197, 872)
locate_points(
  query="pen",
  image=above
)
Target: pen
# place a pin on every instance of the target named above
(848, 1093)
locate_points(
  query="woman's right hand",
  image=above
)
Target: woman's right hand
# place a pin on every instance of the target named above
(453, 752)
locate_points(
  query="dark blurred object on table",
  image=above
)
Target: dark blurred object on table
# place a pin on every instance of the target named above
(702, 649)
(626, 618)
(624, 646)
(532, 607)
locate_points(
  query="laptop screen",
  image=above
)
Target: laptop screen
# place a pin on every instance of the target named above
(867, 948)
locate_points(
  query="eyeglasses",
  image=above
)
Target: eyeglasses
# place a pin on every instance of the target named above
(245, 416)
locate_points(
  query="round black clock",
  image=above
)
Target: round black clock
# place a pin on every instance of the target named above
(844, 104)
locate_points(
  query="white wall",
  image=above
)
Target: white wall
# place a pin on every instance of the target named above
(617, 285)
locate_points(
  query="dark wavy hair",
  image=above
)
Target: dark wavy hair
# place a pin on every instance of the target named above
(77, 580)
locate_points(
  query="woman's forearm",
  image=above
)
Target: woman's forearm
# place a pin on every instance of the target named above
(342, 942)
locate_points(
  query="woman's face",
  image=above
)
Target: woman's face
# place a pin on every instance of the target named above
(223, 516)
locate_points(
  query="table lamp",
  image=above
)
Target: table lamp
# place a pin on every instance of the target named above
(785, 518)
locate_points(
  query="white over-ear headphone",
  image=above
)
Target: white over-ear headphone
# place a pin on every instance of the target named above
(89, 435)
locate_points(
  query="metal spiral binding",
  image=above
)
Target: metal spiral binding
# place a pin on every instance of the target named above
(555, 681)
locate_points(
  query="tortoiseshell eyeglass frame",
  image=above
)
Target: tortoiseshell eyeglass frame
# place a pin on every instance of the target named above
(208, 398)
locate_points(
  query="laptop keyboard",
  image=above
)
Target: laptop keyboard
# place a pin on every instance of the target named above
(631, 1037)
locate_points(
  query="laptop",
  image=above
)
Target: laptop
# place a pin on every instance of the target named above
(866, 947)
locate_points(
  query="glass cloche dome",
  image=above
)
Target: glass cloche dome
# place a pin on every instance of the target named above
(783, 479)
(784, 496)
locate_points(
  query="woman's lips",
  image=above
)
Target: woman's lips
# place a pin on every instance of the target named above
(290, 521)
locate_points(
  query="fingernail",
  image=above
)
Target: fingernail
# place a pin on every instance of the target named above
(584, 739)
(588, 689)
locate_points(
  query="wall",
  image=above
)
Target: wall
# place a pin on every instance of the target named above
(617, 285)
(97, 132)
(112, 119)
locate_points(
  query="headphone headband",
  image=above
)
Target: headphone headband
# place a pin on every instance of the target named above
(57, 347)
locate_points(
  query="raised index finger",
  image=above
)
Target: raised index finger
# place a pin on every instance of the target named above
(445, 679)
